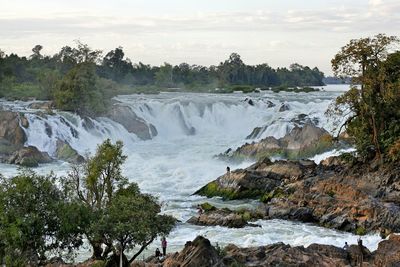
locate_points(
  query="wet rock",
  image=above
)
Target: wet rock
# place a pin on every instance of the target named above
(132, 123)
(65, 152)
(24, 122)
(256, 132)
(29, 157)
(212, 216)
(224, 218)
(269, 103)
(249, 101)
(284, 107)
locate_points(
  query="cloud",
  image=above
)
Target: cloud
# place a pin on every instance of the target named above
(307, 35)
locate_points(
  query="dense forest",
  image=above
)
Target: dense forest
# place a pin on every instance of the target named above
(78, 77)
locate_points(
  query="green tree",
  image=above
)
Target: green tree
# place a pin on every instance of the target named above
(30, 224)
(36, 52)
(370, 63)
(133, 219)
(117, 212)
(164, 76)
(78, 91)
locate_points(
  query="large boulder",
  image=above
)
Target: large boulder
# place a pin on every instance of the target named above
(10, 128)
(388, 252)
(198, 252)
(12, 135)
(212, 216)
(300, 142)
(256, 181)
(65, 152)
(132, 123)
(29, 157)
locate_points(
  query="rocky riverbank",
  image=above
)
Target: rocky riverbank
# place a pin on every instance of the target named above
(200, 252)
(339, 193)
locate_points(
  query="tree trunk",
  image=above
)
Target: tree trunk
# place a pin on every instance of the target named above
(140, 250)
(97, 250)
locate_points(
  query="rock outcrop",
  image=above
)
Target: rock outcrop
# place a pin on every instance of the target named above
(65, 152)
(132, 123)
(198, 252)
(29, 157)
(256, 180)
(12, 135)
(213, 216)
(201, 253)
(300, 142)
(334, 194)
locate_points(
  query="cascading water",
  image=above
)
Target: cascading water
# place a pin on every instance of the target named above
(192, 128)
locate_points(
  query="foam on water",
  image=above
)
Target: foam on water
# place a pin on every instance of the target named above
(192, 128)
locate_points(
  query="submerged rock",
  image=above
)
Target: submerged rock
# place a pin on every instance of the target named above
(284, 107)
(132, 123)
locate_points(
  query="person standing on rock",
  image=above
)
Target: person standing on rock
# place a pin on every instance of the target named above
(346, 246)
(164, 246)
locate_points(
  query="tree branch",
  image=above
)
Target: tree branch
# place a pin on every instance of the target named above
(141, 250)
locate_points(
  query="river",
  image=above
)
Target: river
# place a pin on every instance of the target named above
(192, 128)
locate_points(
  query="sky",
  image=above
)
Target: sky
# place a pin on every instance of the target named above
(204, 32)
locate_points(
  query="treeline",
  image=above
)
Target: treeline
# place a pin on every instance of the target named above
(46, 215)
(81, 79)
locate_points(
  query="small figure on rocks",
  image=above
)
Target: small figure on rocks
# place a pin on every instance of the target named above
(228, 170)
(361, 249)
(346, 246)
(200, 209)
(164, 246)
(158, 253)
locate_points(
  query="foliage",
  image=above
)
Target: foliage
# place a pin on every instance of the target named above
(30, 222)
(78, 91)
(133, 219)
(372, 108)
(79, 79)
(115, 210)
(207, 207)
(360, 231)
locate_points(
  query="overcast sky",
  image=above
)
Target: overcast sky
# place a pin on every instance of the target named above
(277, 32)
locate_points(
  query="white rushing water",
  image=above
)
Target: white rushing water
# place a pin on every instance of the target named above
(192, 128)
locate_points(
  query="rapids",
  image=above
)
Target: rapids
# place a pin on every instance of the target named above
(192, 128)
